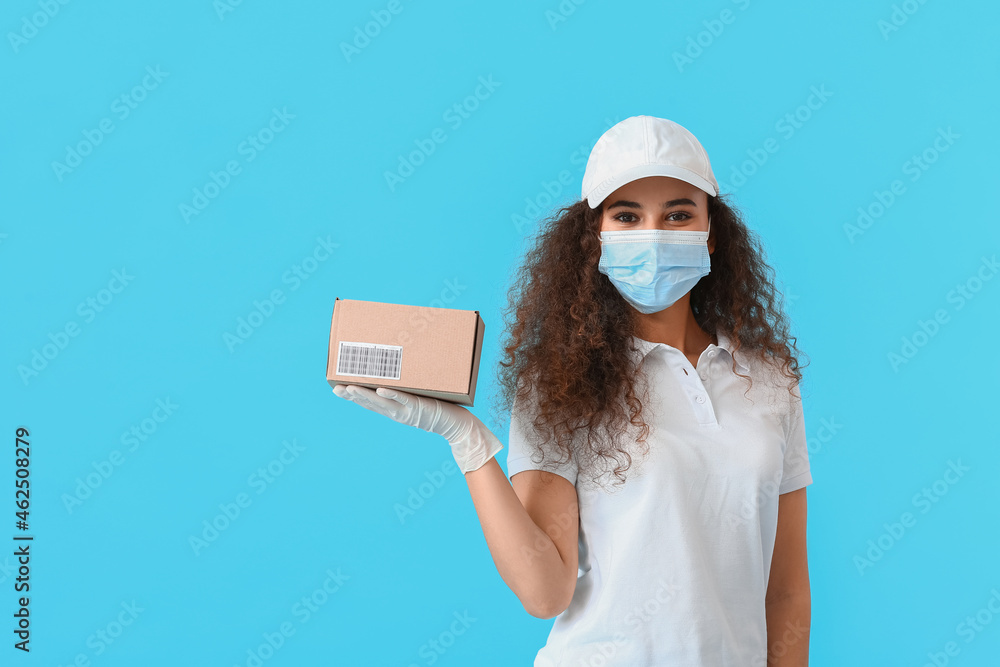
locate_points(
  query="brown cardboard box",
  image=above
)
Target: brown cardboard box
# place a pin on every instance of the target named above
(419, 349)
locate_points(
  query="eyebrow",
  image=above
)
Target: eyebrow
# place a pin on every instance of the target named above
(666, 204)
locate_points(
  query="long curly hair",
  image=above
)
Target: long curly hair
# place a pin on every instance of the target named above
(566, 357)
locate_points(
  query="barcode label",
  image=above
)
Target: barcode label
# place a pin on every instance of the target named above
(369, 360)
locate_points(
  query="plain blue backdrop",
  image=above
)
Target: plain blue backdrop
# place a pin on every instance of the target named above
(167, 167)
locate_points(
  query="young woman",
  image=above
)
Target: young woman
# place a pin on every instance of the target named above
(657, 453)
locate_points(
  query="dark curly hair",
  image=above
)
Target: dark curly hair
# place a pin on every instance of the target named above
(567, 354)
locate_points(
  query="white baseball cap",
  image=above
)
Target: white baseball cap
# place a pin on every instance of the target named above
(643, 146)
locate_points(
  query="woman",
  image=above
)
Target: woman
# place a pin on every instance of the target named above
(657, 452)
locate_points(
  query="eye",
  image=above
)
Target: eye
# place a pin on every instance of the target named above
(676, 216)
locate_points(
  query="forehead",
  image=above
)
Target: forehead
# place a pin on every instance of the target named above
(658, 187)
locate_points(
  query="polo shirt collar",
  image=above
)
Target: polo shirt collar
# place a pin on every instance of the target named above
(725, 343)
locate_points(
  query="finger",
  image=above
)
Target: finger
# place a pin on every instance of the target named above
(347, 392)
(371, 400)
(398, 396)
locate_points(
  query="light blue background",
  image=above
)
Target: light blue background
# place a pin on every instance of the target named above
(561, 84)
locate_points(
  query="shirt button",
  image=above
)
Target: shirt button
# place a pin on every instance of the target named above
(704, 376)
(700, 398)
(711, 353)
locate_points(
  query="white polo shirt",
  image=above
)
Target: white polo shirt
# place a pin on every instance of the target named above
(673, 567)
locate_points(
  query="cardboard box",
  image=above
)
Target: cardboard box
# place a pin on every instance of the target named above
(419, 349)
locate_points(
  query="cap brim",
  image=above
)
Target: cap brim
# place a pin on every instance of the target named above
(599, 193)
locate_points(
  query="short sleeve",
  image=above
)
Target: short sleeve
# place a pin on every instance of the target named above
(795, 471)
(523, 451)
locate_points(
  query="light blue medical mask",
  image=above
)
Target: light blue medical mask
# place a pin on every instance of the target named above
(653, 268)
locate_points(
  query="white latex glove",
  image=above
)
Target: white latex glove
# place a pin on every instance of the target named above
(472, 443)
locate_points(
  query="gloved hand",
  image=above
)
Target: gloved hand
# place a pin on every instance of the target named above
(472, 443)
